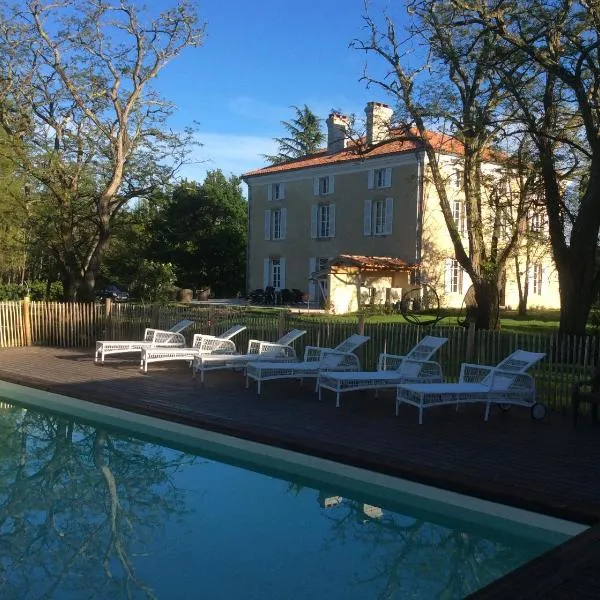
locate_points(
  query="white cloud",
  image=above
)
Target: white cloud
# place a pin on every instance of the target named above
(233, 154)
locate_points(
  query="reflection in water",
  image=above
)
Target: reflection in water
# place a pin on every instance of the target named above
(74, 501)
(85, 512)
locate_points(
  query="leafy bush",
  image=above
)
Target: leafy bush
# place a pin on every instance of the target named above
(154, 282)
(36, 290)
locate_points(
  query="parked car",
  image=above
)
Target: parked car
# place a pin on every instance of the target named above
(112, 292)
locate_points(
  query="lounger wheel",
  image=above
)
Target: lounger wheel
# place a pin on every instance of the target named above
(538, 411)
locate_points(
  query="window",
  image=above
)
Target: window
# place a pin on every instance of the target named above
(380, 178)
(536, 222)
(458, 214)
(276, 191)
(323, 186)
(378, 216)
(453, 277)
(275, 224)
(274, 272)
(323, 221)
(458, 179)
(537, 273)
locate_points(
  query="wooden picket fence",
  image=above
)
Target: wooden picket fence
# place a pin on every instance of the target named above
(79, 325)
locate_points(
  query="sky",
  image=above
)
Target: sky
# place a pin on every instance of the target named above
(260, 58)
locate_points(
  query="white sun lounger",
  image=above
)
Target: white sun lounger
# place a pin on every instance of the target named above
(281, 350)
(316, 359)
(171, 338)
(392, 369)
(201, 343)
(505, 384)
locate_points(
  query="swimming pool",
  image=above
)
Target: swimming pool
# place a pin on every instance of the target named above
(97, 503)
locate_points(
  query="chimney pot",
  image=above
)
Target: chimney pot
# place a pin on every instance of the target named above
(337, 132)
(379, 117)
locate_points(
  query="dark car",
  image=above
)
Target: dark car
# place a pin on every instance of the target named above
(112, 292)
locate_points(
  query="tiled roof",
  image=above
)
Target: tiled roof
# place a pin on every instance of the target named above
(370, 263)
(357, 151)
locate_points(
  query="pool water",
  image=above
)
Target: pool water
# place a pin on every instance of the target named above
(90, 511)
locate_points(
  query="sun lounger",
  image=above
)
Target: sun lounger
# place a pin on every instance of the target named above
(171, 338)
(506, 384)
(201, 343)
(413, 367)
(316, 359)
(281, 350)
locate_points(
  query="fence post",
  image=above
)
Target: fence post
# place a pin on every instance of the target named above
(361, 323)
(281, 324)
(26, 308)
(470, 342)
(155, 315)
(106, 332)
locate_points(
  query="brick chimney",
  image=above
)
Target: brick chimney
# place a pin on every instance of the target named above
(379, 117)
(337, 132)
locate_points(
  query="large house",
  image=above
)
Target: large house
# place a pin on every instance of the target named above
(371, 201)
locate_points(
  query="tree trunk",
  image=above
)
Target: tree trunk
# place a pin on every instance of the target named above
(577, 293)
(486, 294)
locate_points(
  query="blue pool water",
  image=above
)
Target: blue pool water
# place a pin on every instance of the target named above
(90, 511)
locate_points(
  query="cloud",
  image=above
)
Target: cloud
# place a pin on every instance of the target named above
(233, 154)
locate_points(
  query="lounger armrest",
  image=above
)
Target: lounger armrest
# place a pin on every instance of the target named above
(253, 346)
(199, 338)
(167, 337)
(425, 369)
(215, 345)
(473, 373)
(276, 349)
(332, 359)
(314, 353)
(511, 381)
(389, 362)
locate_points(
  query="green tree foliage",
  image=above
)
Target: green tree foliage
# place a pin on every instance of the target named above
(85, 126)
(202, 232)
(304, 137)
(154, 282)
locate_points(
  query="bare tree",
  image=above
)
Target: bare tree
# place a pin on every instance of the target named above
(452, 91)
(87, 127)
(554, 44)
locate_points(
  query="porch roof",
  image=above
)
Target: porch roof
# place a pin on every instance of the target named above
(366, 264)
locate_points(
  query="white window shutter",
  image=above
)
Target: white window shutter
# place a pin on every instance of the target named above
(371, 179)
(316, 186)
(332, 220)
(266, 272)
(283, 223)
(282, 272)
(314, 215)
(267, 224)
(367, 215)
(282, 191)
(269, 192)
(331, 184)
(312, 284)
(388, 177)
(448, 275)
(389, 215)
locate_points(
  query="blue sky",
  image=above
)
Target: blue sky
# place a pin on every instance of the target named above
(260, 57)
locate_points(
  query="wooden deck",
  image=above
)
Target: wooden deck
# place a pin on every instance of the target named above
(547, 467)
